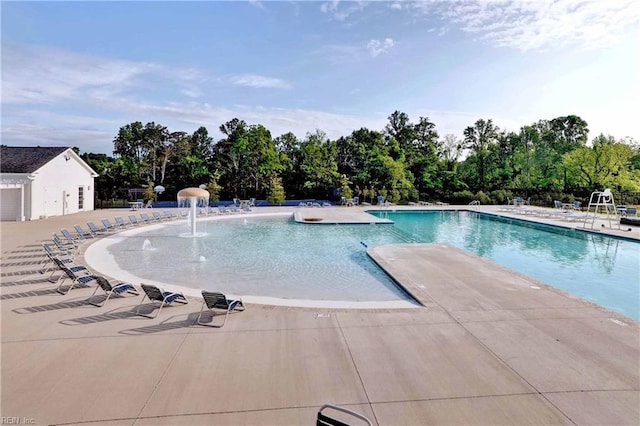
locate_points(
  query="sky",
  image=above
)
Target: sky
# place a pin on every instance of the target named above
(74, 72)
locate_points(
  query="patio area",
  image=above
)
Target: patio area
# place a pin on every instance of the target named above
(489, 346)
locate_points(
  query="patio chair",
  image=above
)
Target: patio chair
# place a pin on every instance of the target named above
(108, 225)
(145, 218)
(324, 420)
(216, 300)
(121, 223)
(169, 215)
(64, 245)
(85, 234)
(67, 235)
(134, 220)
(156, 294)
(71, 272)
(95, 230)
(50, 264)
(110, 290)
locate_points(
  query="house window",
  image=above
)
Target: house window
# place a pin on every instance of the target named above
(81, 198)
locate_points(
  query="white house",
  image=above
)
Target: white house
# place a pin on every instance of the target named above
(38, 182)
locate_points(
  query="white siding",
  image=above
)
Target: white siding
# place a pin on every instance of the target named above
(55, 188)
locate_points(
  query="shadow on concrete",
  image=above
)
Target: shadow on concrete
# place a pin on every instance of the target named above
(51, 307)
(165, 325)
(28, 256)
(18, 273)
(28, 281)
(116, 314)
(25, 263)
(33, 293)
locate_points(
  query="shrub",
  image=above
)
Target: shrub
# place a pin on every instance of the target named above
(500, 196)
(483, 198)
(462, 197)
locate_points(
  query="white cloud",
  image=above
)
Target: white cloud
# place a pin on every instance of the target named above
(377, 47)
(342, 13)
(259, 82)
(257, 3)
(531, 25)
(46, 75)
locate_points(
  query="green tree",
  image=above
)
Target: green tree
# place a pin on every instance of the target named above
(276, 191)
(228, 154)
(478, 139)
(606, 164)
(318, 165)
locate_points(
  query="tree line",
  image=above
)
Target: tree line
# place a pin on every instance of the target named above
(406, 161)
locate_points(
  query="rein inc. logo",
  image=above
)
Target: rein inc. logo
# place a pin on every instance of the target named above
(5, 420)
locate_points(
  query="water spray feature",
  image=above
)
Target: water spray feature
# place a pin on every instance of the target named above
(194, 195)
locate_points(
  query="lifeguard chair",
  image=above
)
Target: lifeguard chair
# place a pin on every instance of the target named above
(602, 203)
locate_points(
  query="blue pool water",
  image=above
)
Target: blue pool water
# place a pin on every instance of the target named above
(270, 256)
(276, 257)
(601, 269)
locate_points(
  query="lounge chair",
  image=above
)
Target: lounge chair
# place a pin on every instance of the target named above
(67, 235)
(108, 225)
(145, 218)
(72, 272)
(110, 290)
(156, 294)
(168, 215)
(215, 300)
(95, 230)
(85, 234)
(134, 220)
(64, 245)
(121, 223)
(64, 256)
(324, 420)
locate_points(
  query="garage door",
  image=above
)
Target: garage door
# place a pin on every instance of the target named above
(10, 204)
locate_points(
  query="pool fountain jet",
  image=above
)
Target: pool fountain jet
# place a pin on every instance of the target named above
(194, 195)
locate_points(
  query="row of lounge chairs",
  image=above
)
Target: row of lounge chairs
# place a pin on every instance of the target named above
(565, 211)
(60, 256)
(80, 275)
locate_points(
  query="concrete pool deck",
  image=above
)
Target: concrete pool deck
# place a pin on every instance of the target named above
(488, 348)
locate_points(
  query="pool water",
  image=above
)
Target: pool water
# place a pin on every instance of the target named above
(273, 256)
(270, 256)
(601, 269)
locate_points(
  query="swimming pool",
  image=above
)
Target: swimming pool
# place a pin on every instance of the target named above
(275, 258)
(598, 268)
(269, 257)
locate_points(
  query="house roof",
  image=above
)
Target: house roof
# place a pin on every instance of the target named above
(27, 159)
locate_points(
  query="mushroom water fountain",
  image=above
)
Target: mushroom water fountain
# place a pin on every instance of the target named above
(194, 195)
